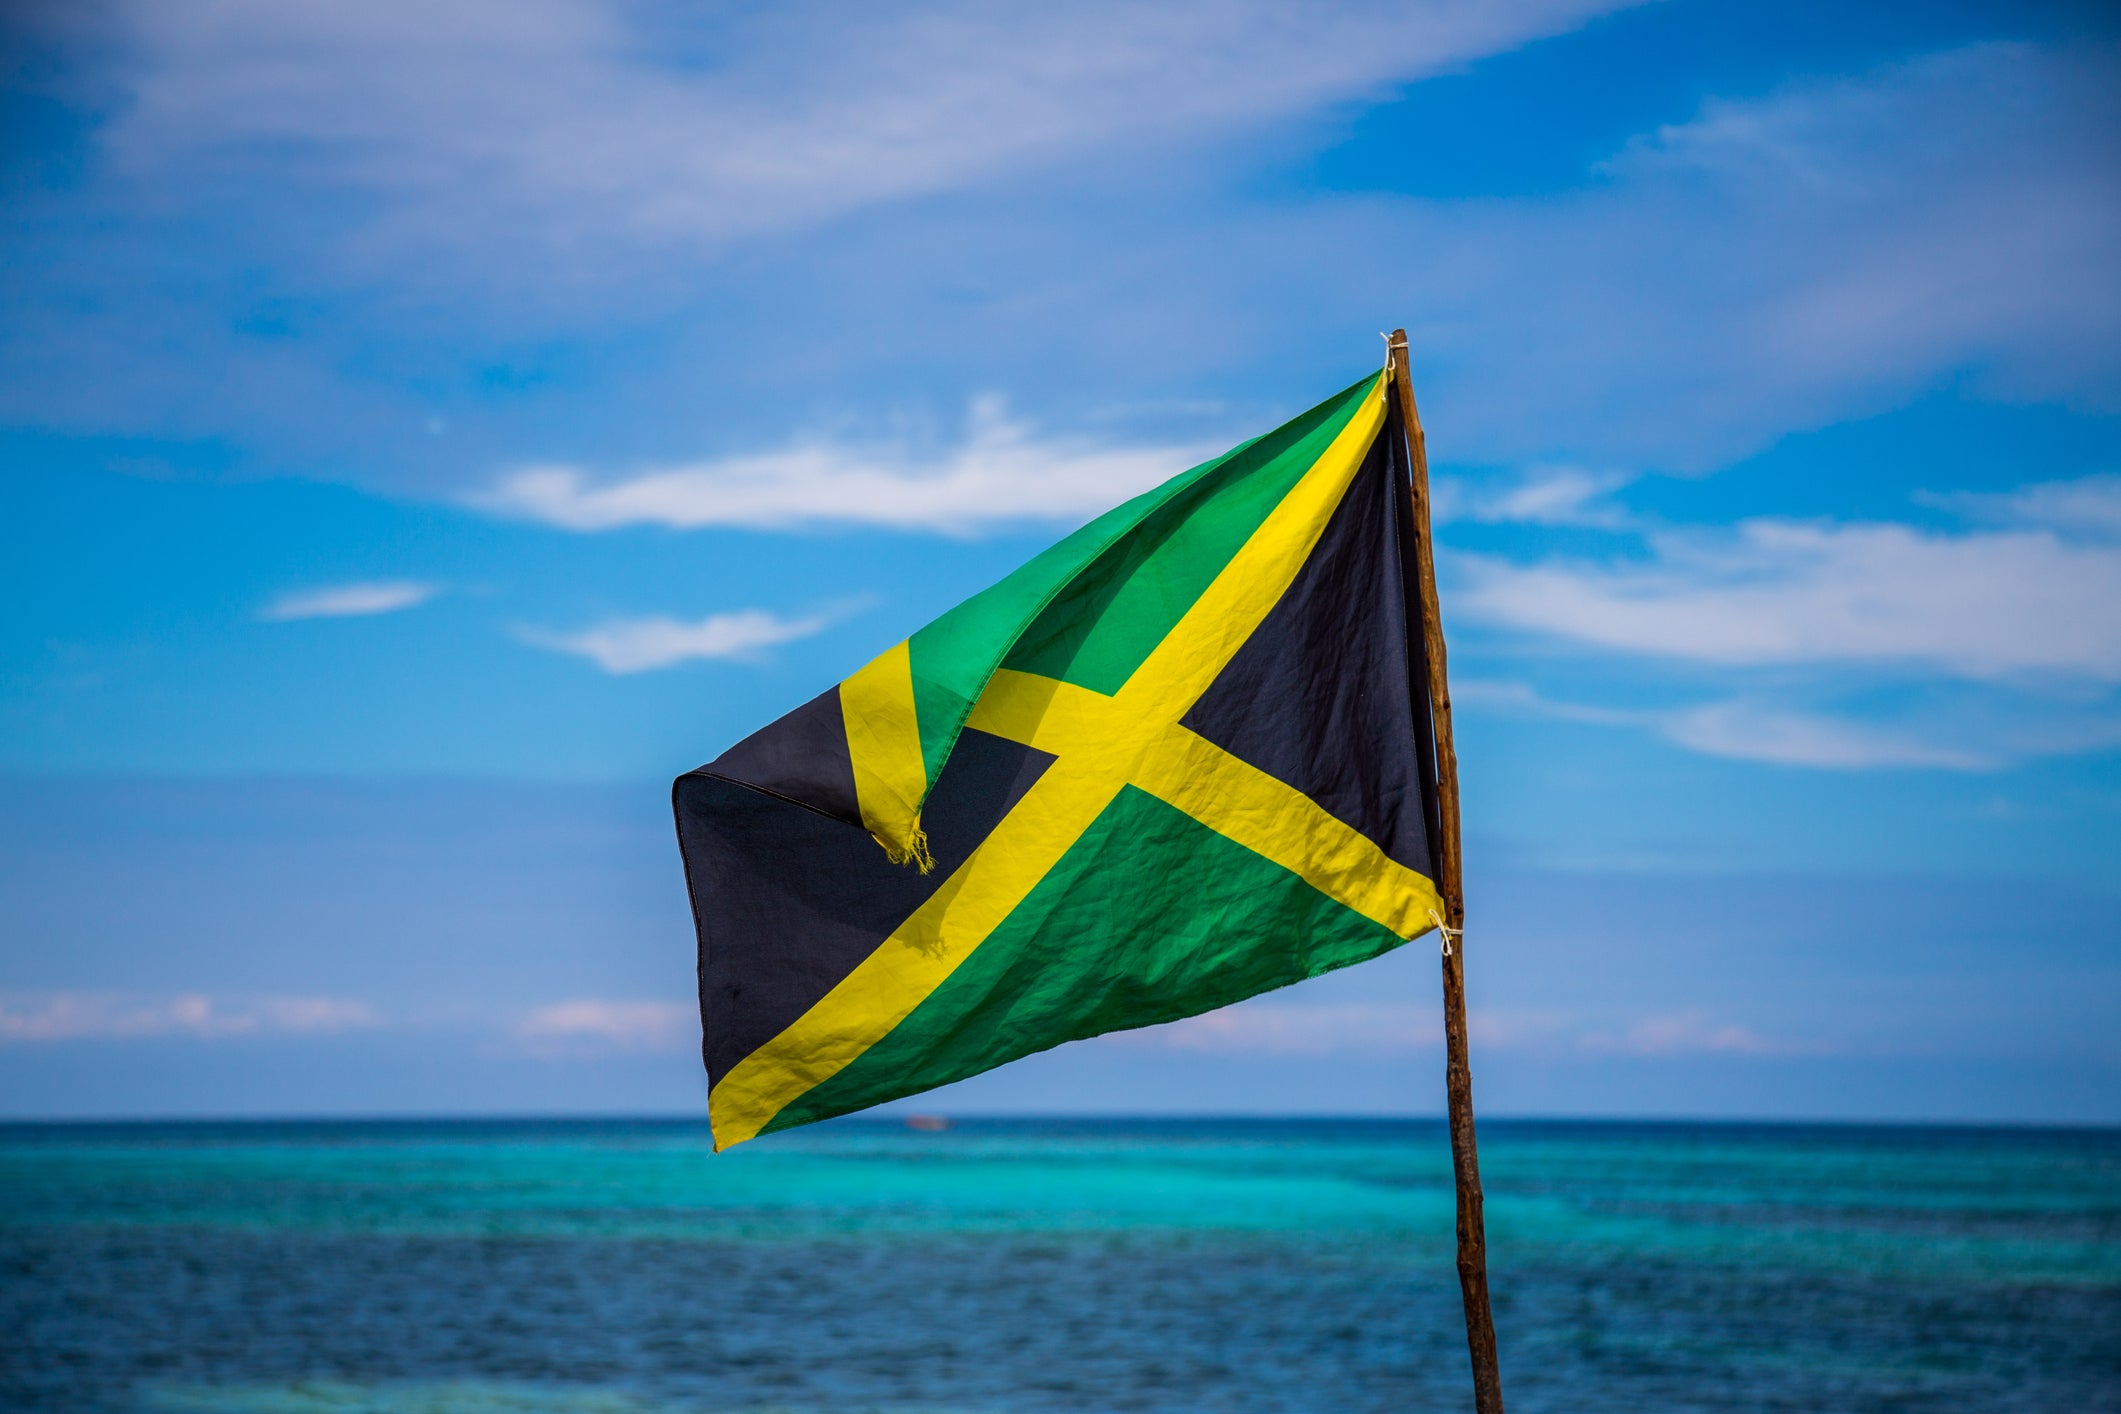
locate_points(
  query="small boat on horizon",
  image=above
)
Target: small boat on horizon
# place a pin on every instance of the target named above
(927, 1124)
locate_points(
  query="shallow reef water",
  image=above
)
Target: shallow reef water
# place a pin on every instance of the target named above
(619, 1267)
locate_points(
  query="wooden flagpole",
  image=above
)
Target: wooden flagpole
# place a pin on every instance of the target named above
(1458, 1073)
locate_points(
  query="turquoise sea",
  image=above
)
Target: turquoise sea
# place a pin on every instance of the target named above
(621, 1267)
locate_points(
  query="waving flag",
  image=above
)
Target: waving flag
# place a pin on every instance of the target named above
(1182, 757)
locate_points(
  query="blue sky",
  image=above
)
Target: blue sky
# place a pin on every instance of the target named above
(425, 431)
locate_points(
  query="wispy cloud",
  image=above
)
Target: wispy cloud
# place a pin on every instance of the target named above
(344, 601)
(1000, 474)
(1979, 605)
(106, 1015)
(594, 126)
(1540, 495)
(1871, 232)
(592, 1024)
(638, 645)
(2087, 506)
(1742, 729)
(1751, 731)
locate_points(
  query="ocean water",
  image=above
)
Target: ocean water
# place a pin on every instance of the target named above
(1040, 1265)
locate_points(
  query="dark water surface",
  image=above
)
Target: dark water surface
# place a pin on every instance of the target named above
(1051, 1265)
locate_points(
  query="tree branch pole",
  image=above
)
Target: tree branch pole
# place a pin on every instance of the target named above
(1458, 1072)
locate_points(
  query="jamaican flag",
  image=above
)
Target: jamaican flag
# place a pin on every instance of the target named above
(1180, 758)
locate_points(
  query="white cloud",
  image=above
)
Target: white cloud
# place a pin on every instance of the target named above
(1981, 605)
(1748, 731)
(1739, 729)
(342, 601)
(1000, 474)
(1540, 495)
(2088, 506)
(1517, 696)
(103, 1015)
(658, 641)
(1782, 262)
(586, 1022)
(1825, 250)
(575, 123)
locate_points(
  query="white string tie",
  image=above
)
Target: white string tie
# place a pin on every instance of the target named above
(1449, 934)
